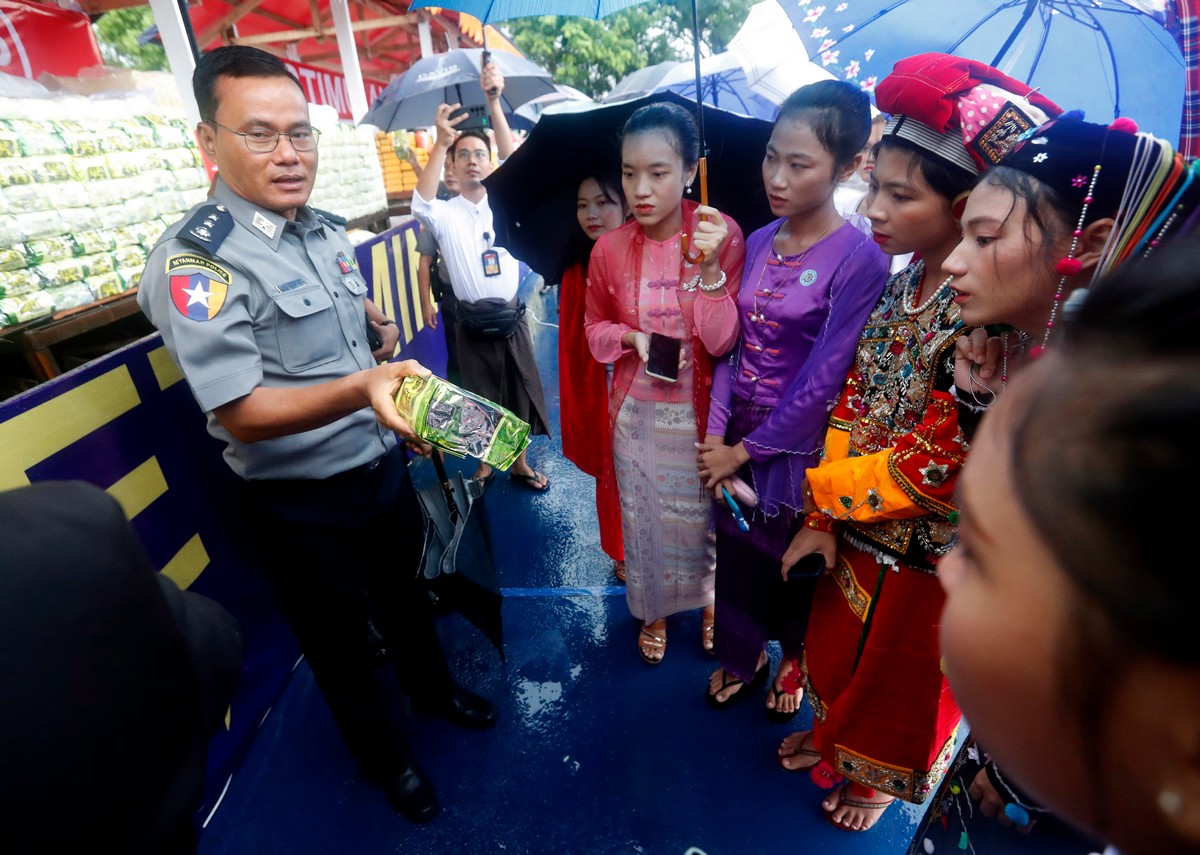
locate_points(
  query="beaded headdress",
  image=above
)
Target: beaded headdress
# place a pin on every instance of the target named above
(960, 111)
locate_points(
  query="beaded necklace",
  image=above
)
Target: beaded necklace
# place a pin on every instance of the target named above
(910, 297)
(758, 316)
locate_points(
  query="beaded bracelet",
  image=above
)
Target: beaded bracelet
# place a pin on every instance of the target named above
(697, 282)
(716, 286)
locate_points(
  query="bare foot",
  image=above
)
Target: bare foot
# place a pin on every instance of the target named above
(855, 807)
(619, 571)
(707, 628)
(779, 699)
(722, 685)
(652, 641)
(798, 752)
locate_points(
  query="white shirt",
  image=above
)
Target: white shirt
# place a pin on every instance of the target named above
(464, 232)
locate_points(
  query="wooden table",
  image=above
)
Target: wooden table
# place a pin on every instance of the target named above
(35, 338)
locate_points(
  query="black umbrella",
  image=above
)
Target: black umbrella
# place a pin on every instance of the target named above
(412, 99)
(457, 559)
(533, 193)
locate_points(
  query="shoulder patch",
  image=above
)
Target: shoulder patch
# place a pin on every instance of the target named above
(208, 227)
(332, 219)
(198, 285)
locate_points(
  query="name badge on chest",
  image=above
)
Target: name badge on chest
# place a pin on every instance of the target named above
(491, 262)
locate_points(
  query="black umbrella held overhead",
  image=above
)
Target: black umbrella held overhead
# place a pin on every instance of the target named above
(533, 193)
(412, 99)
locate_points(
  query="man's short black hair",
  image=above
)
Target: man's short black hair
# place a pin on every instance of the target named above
(471, 132)
(233, 61)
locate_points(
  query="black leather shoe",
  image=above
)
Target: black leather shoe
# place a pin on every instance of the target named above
(462, 707)
(411, 793)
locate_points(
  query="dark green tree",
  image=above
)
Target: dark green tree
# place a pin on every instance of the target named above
(118, 32)
(593, 55)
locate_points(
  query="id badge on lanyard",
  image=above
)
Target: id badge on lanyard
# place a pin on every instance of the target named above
(490, 259)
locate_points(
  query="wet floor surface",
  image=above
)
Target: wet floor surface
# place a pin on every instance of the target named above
(595, 751)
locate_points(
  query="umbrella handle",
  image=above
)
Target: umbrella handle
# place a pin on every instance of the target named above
(688, 256)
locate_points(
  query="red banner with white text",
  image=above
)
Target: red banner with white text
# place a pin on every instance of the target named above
(329, 88)
(38, 37)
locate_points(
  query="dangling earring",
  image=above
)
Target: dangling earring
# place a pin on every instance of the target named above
(687, 188)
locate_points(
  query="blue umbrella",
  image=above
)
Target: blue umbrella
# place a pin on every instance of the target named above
(723, 84)
(1108, 58)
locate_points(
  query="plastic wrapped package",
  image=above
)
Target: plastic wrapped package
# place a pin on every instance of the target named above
(107, 285)
(13, 257)
(39, 224)
(111, 192)
(100, 263)
(129, 256)
(169, 202)
(181, 158)
(157, 181)
(124, 164)
(139, 133)
(191, 198)
(19, 198)
(58, 273)
(170, 133)
(29, 307)
(90, 168)
(71, 296)
(69, 194)
(190, 178)
(125, 235)
(96, 240)
(148, 233)
(461, 422)
(50, 169)
(130, 275)
(16, 172)
(82, 218)
(18, 283)
(55, 248)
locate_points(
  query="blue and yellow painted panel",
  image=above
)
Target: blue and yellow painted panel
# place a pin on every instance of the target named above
(127, 422)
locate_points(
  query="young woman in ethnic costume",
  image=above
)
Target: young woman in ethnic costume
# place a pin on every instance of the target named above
(1069, 626)
(880, 499)
(1069, 202)
(812, 279)
(640, 282)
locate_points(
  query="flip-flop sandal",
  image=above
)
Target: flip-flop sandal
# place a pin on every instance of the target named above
(655, 642)
(774, 714)
(535, 481)
(851, 801)
(729, 681)
(801, 751)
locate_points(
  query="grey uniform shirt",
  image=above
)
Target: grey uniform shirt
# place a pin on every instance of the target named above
(243, 298)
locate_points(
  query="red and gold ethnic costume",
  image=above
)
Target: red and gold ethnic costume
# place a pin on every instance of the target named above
(884, 714)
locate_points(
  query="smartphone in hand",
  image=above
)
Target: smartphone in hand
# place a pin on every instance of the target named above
(664, 357)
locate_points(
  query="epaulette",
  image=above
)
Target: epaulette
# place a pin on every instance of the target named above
(332, 219)
(208, 227)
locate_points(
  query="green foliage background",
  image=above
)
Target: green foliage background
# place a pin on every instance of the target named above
(118, 31)
(589, 55)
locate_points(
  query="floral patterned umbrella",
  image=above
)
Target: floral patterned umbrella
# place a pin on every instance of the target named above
(1108, 58)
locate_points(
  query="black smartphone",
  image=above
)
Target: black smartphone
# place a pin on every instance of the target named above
(477, 118)
(664, 357)
(374, 340)
(808, 567)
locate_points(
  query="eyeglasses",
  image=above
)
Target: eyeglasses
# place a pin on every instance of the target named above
(464, 155)
(261, 142)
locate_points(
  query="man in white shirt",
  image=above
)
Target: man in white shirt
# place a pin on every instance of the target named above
(495, 351)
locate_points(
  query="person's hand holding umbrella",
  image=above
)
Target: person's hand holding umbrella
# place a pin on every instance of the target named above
(492, 83)
(710, 235)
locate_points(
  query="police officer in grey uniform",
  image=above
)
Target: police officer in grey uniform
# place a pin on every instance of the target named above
(260, 302)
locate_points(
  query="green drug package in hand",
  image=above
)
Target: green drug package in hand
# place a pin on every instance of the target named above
(460, 422)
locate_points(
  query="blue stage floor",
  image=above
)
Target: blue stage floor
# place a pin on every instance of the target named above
(595, 751)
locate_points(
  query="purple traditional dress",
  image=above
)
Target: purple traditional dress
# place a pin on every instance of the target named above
(801, 317)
